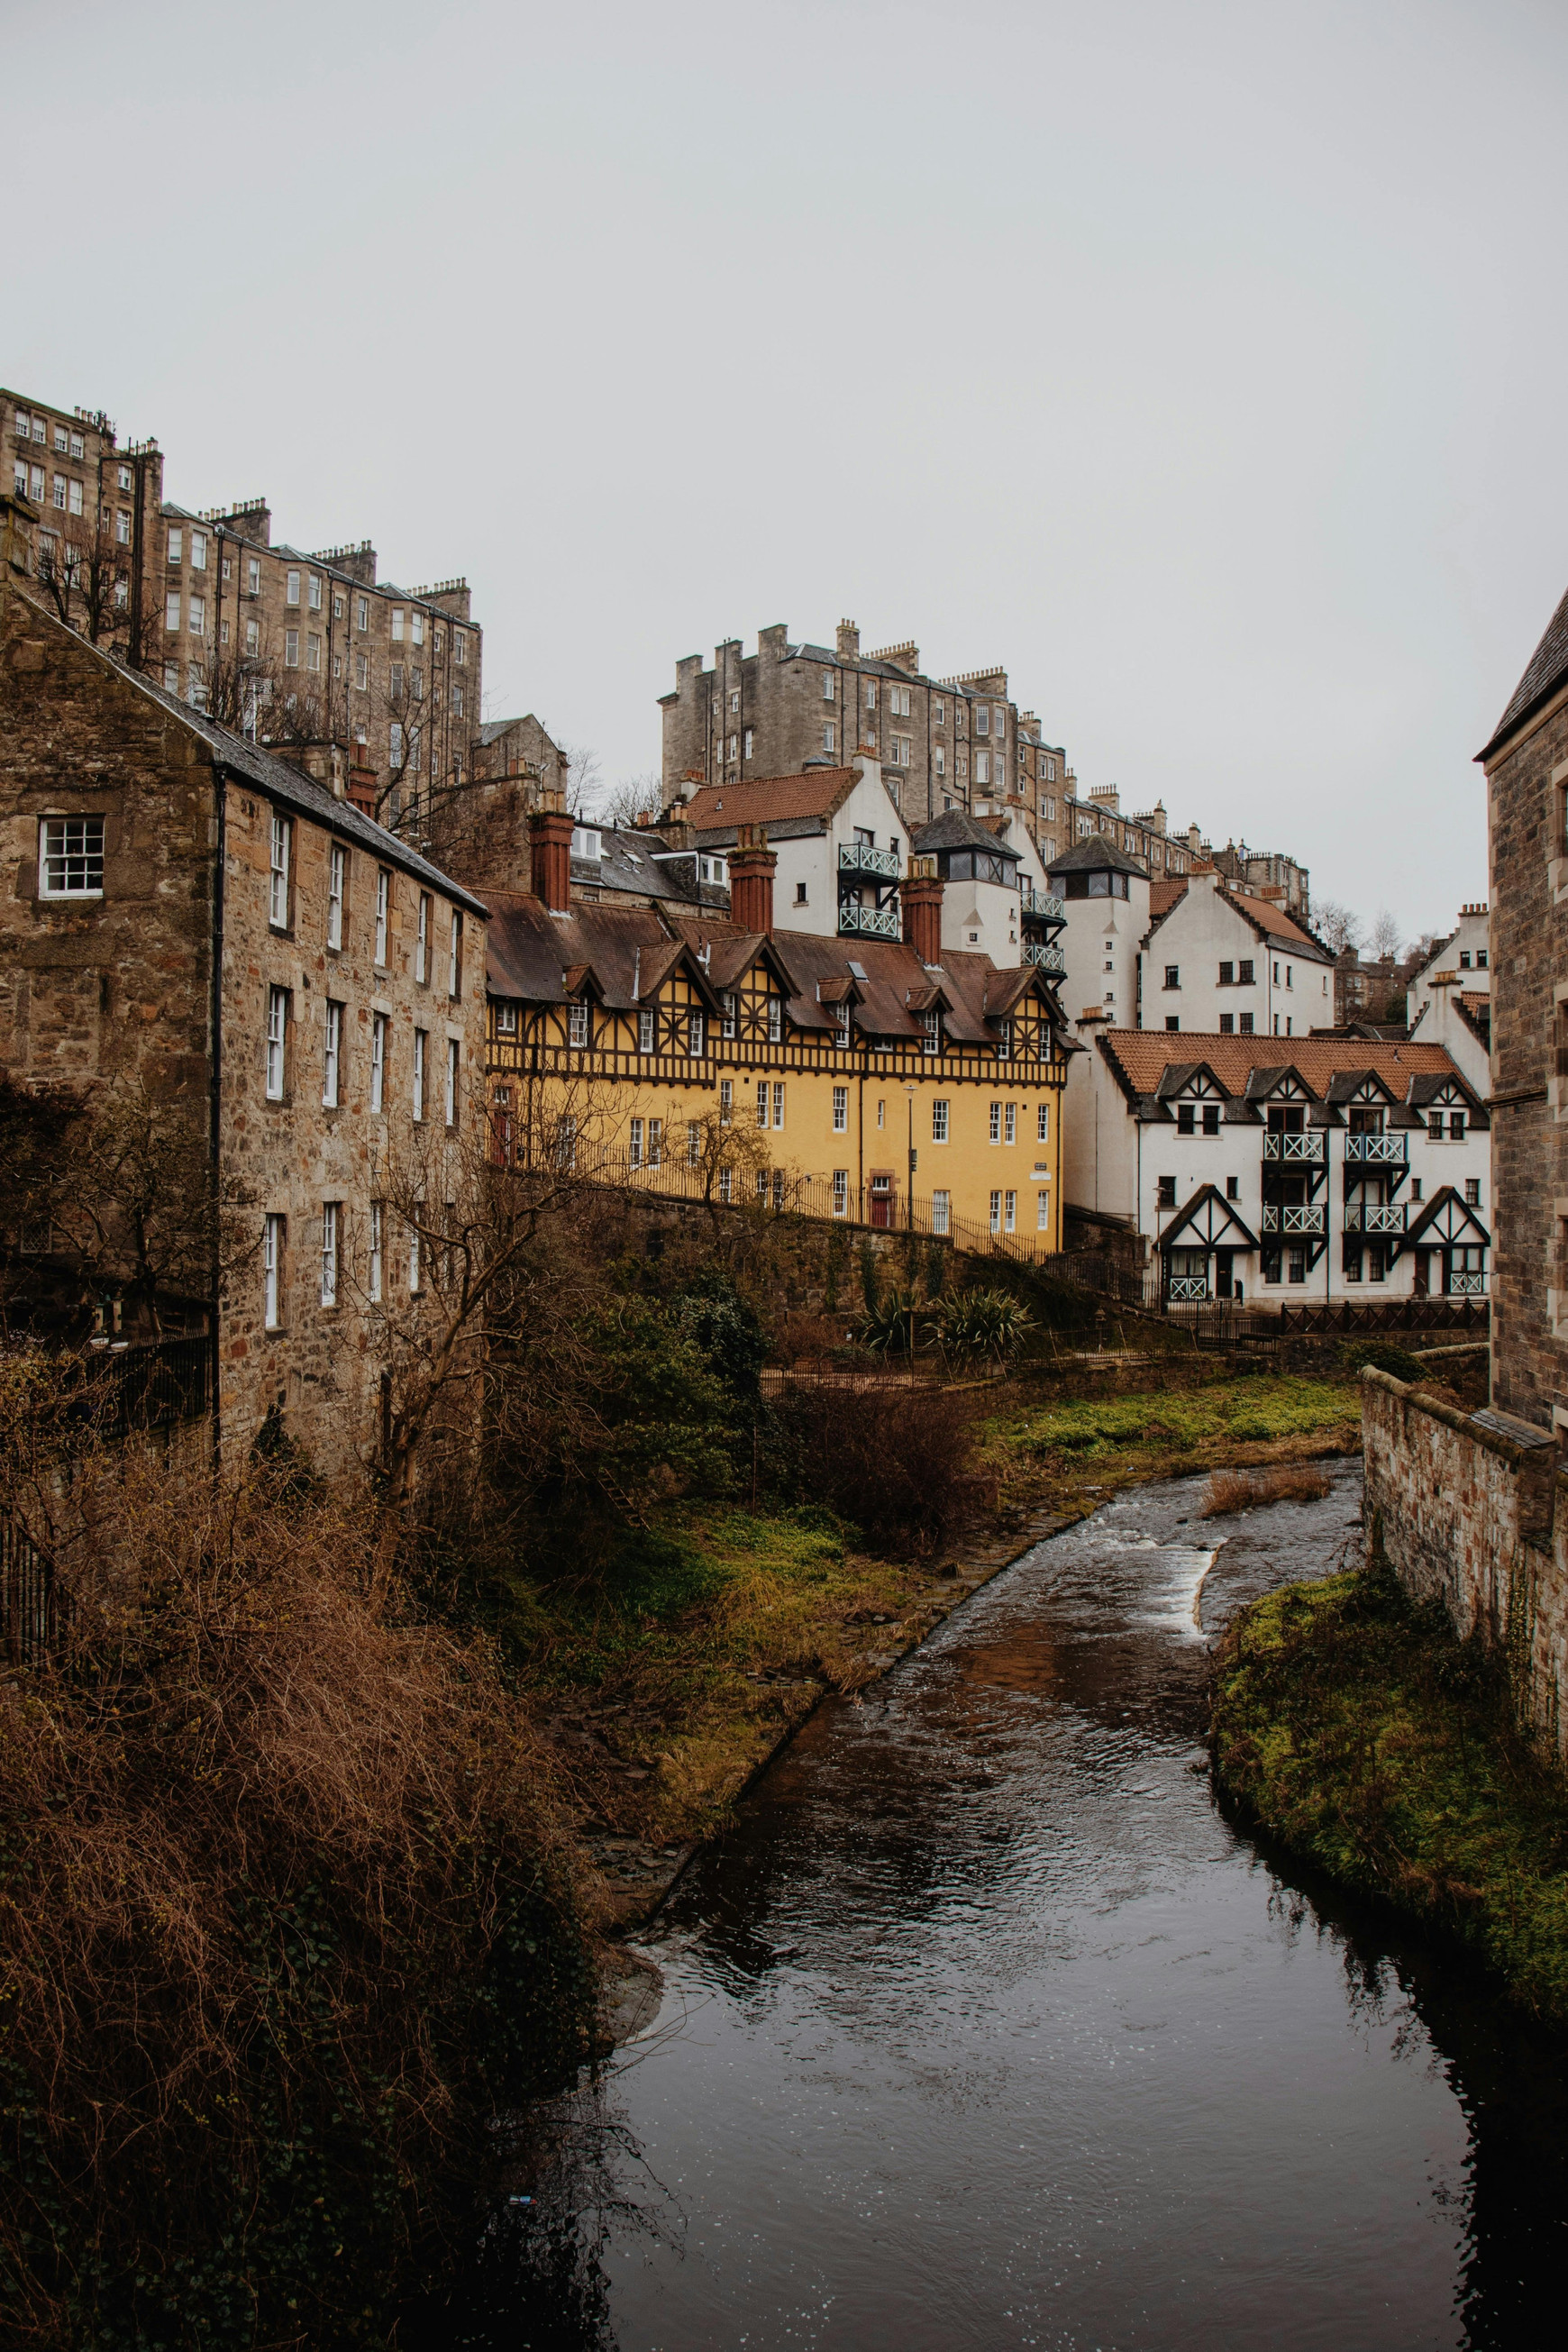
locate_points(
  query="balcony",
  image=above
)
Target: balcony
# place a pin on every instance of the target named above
(1281, 1220)
(1049, 959)
(1377, 1152)
(867, 922)
(1375, 1217)
(859, 858)
(1296, 1151)
(1041, 903)
(1467, 1285)
(1187, 1290)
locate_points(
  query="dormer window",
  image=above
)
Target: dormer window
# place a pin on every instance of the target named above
(577, 1022)
(506, 1021)
(645, 1032)
(841, 1016)
(775, 1021)
(588, 842)
(931, 1022)
(727, 1026)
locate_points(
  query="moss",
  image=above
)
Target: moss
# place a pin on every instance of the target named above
(1355, 1726)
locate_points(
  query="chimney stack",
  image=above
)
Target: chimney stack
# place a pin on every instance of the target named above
(922, 899)
(849, 641)
(752, 865)
(550, 846)
(361, 779)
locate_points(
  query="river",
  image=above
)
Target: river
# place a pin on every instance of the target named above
(984, 2027)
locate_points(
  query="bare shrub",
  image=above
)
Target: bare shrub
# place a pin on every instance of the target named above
(1241, 1490)
(899, 1462)
(285, 1925)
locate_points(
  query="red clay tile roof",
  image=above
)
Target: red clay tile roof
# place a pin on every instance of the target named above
(1163, 895)
(770, 799)
(1143, 1056)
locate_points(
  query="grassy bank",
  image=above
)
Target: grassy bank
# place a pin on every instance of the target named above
(663, 1688)
(1358, 1729)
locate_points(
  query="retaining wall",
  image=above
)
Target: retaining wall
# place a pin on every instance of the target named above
(1472, 1508)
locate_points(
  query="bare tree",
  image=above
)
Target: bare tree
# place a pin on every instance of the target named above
(1337, 926)
(85, 574)
(582, 783)
(1385, 936)
(635, 800)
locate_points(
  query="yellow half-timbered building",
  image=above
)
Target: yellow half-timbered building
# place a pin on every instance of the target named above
(844, 1077)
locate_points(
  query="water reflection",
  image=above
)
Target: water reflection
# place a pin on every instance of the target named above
(985, 2026)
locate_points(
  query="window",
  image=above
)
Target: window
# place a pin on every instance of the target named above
(726, 1183)
(696, 1035)
(377, 1060)
(1228, 1024)
(1004, 1041)
(1481, 954)
(1290, 975)
(930, 1023)
(122, 520)
(395, 745)
(841, 1026)
(290, 648)
(198, 551)
(840, 1110)
(841, 1192)
(983, 767)
(656, 1143)
(982, 720)
(829, 735)
(361, 672)
(1009, 1212)
(198, 615)
(1464, 959)
(376, 1229)
(459, 647)
(1043, 1123)
(1271, 1263)
(778, 1103)
(1296, 1266)
(726, 1100)
(1227, 975)
(70, 857)
(940, 760)
(746, 743)
(1186, 1118)
(1245, 1026)
(452, 1054)
(996, 1213)
(997, 1122)
(506, 1020)
(253, 574)
(775, 1021)
(414, 1260)
(337, 869)
(291, 590)
(727, 1020)
(829, 686)
(417, 627)
(634, 1144)
(176, 543)
(362, 611)
(938, 1120)
(277, 1041)
(645, 1032)
(1472, 1191)
(272, 1272)
(1456, 1127)
(277, 898)
(1434, 1126)
(331, 1054)
(315, 592)
(420, 1040)
(455, 956)
(329, 1253)
(1172, 975)
(577, 1022)
(313, 648)
(762, 1102)
(172, 611)
(396, 678)
(383, 911)
(171, 677)
(1165, 1197)
(457, 702)
(1172, 1020)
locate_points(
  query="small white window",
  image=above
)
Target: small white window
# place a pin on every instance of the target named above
(420, 1039)
(313, 649)
(997, 1122)
(291, 591)
(70, 857)
(841, 1192)
(726, 1101)
(634, 1144)
(383, 911)
(398, 624)
(452, 1053)
(982, 720)
(778, 1103)
(1010, 1124)
(315, 592)
(361, 672)
(337, 868)
(940, 1211)
(362, 611)
(645, 1032)
(656, 1143)
(762, 1100)
(78, 445)
(277, 1041)
(414, 1259)
(1043, 1124)
(253, 638)
(198, 551)
(329, 1252)
(939, 1118)
(1043, 1210)
(331, 1056)
(459, 647)
(253, 574)
(996, 1213)
(1010, 1213)
(727, 1025)
(377, 1226)
(829, 736)
(829, 687)
(60, 440)
(176, 543)
(417, 627)
(378, 1061)
(197, 620)
(172, 610)
(73, 496)
(278, 886)
(775, 1021)
(171, 677)
(940, 760)
(983, 767)
(696, 1035)
(506, 1020)
(747, 739)
(693, 1143)
(455, 956)
(272, 1272)
(577, 1022)
(290, 648)
(840, 1110)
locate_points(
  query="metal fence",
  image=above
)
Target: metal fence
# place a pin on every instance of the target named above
(30, 1604)
(773, 1192)
(153, 1386)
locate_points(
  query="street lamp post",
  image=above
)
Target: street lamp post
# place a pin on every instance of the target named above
(910, 1219)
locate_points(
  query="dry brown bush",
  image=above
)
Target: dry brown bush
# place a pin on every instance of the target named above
(1240, 1490)
(897, 1461)
(284, 1921)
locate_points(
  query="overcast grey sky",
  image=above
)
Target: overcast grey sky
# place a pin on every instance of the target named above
(1205, 365)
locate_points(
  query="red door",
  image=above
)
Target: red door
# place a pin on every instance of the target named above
(881, 1200)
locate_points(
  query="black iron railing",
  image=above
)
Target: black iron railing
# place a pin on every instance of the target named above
(30, 1601)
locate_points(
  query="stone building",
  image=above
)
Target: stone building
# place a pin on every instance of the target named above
(98, 500)
(941, 742)
(1526, 767)
(205, 943)
(886, 1081)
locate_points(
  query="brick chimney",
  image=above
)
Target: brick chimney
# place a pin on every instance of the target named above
(922, 899)
(549, 845)
(752, 865)
(361, 779)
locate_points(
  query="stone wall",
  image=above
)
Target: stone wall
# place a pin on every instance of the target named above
(1471, 1509)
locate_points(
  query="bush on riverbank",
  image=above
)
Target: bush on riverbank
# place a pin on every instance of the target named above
(1355, 1726)
(284, 1923)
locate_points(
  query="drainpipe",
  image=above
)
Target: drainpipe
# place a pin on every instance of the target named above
(215, 1097)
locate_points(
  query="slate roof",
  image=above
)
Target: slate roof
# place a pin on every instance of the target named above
(1545, 671)
(1098, 855)
(630, 863)
(956, 829)
(279, 780)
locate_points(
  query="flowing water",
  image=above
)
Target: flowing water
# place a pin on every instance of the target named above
(985, 2028)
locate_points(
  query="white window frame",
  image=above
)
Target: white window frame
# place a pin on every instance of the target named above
(172, 613)
(420, 1038)
(726, 1101)
(996, 1212)
(775, 1021)
(454, 1054)
(644, 1031)
(1010, 1213)
(455, 962)
(377, 1229)
(634, 1144)
(941, 1211)
(1043, 1124)
(331, 1055)
(70, 845)
(763, 1099)
(1010, 1123)
(329, 1224)
(940, 1120)
(841, 1192)
(383, 911)
(840, 1110)
(291, 590)
(995, 1132)
(727, 1023)
(274, 1238)
(277, 1042)
(696, 1035)
(337, 874)
(778, 1102)
(280, 860)
(378, 1029)
(577, 1022)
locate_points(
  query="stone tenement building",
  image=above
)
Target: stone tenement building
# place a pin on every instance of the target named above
(1526, 766)
(100, 500)
(197, 931)
(942, 742)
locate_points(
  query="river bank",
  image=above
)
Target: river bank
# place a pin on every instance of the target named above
(1353, 1725)
(658, 1721)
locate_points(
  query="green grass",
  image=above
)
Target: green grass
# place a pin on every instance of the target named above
(1257, 1410)
(1356, 1726)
